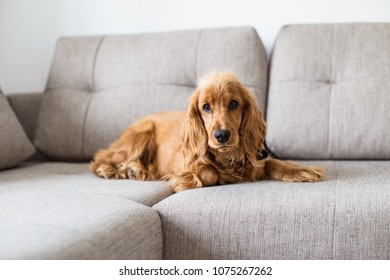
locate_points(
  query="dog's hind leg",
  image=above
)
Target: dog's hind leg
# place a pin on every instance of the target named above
(128, 157)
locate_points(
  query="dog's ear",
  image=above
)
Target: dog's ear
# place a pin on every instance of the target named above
(193, 134)
(253, 127)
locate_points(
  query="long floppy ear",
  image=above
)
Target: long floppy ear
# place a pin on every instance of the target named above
(253, 127)
(193, 134)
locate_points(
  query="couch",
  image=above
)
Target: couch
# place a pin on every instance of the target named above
(325, 92)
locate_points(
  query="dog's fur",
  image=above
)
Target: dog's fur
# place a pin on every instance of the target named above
(181, 147)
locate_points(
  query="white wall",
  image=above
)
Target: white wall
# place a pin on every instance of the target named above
(30, 28)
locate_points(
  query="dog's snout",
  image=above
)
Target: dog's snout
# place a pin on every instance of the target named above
(222, 136)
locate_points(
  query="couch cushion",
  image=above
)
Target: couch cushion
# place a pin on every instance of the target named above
(26, 107)
(347, 216)
(329, 92)
(99, 85)
(63, 178)
(14, 144)
(68, 213)
(47, 224)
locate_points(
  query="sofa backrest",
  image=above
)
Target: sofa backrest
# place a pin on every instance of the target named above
(99, 85)
(15, 146)
(329, 92)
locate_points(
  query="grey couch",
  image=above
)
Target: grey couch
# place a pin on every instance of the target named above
(325, 92)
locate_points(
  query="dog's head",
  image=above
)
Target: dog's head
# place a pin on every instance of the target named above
(223, 115)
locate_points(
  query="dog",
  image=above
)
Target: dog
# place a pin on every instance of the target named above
(219, 140)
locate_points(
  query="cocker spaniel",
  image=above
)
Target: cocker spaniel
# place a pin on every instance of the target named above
(220, 140)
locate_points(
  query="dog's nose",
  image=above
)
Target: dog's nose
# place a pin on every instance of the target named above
(222, 136)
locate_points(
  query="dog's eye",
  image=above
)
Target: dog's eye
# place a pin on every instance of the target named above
(233, 105)
(206, 108)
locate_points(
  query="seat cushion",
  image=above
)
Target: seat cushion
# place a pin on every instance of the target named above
(15, 146)
(63, 178)
(329, 92)
(62, 211)
(52, 225)
(346, 216)
(99, 85)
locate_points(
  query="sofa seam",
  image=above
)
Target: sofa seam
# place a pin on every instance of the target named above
(91, 93)
(162, 231)
(93, 80)
(334, 230)
(334, 216)
(332, 78)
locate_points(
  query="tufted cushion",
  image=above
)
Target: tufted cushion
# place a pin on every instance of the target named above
(99, 85)
(14, 144)
(347, 216)
(329, 92)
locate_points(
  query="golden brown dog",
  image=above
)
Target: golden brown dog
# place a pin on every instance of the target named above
(216, 142)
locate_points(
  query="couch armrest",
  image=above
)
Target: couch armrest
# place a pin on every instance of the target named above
(26, 107)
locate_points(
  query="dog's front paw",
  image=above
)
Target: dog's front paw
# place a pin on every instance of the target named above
(137, 173)
(183, 182)
(107, 171)
(306, 174)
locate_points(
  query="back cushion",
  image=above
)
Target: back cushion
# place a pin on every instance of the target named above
(329, 92)
(100, 85)
(14, 144)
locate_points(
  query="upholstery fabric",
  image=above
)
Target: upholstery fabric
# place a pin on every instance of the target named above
(99, 85)
(63, 178)
(329, 92)
(61, 211)
(347, 216)
(26, 108)
(14, 144)
(55, 225)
